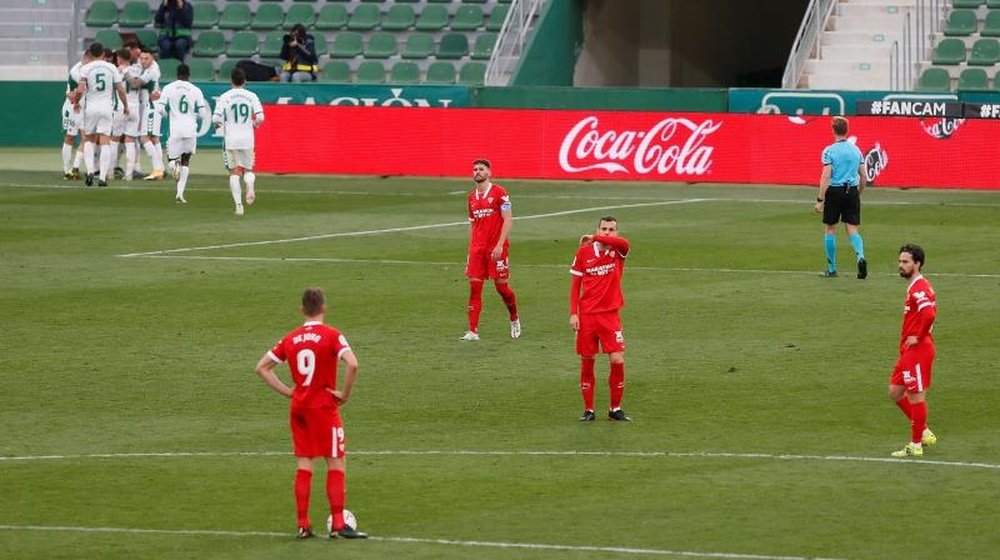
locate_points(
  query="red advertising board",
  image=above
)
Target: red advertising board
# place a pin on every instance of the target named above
(613, 145)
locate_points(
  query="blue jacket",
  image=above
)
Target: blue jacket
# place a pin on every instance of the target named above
(175, 22)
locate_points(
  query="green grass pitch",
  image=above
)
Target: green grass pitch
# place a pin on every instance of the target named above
(134, 427)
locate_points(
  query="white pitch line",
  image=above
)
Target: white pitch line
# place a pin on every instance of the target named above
(404, 228)
(523, 265)
(474, 453)
(413, 540)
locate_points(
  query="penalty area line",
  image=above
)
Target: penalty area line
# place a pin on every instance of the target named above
(403, 228)
(410, 540)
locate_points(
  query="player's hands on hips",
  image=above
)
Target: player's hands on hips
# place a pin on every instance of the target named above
(912, 340)
(574, 322)
(339, 395)
(586, 239)
(818, 208)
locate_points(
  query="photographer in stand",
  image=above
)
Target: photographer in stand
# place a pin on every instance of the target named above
(174, 18)
(299, 54)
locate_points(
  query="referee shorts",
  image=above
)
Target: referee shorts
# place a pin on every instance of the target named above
(842, 204)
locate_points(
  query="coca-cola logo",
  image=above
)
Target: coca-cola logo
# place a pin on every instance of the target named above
(672, 144)
(876, 159)
(941, 128)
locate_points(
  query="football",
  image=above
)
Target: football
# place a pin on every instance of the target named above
(349, 520)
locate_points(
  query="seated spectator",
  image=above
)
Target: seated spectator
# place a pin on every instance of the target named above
(299, 54)
(174, 18)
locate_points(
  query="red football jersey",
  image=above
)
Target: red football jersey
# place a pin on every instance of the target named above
(919, 312)
(485, 215)
(312, 352)
(601, 274)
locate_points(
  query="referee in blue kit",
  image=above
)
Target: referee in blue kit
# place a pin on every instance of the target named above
(843, 179)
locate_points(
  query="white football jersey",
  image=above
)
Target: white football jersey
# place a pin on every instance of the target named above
(184, 103)
(131, 91)
(238, 112)
(74, 76)
(101, 78)
(150, 78)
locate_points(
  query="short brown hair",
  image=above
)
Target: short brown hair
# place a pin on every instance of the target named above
(840, 126)
(485, 162)
(238, 77)
(313, 300)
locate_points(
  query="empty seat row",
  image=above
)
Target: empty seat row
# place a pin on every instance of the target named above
(962, 23)
(968, 4)
(984, 52)
(398, 17)
(369, 72)
(971, 79)
(349, 44)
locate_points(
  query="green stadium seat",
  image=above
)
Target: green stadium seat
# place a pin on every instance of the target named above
(348, 44)
(985, 52)
(472, 74)
(432, 18)
(335, 71)
(950, 51)
(135, 14)
(483, 47)
(993, 4)
(468, 18)
(109, 38)
(209, 43)
(453, 45)
(300, 14)
(440, 73)
(370, 72)
(991, 28)
(398, 18)
(148, 38)
(313, 1)
(374, 1)
(102, 13)
(365, 17)
(473, 1)
(226, 69)
(168, 69)
(405, 73)
(961, 23)
(973, 79)
(497, 17)
(201, 70)
(268, 16)
(206, 15)
(934, 79)
(273, 41)
(439, 1)
(332, 16)
(971, 4)
(381, 45)
(503, 1)
(418, 45)
(407, 1)
(319, 40)
(235, 16)
(243, 45)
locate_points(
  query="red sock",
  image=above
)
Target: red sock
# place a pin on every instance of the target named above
(616, 384)
(904, 405)
(918, 413)
(509, 299)
(303, 480)
(475, 304)
(335, 493)
(587, 382)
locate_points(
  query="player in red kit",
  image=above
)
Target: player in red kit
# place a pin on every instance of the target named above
(490, 221)
(912, 375)
(595, 298)
(312, 352)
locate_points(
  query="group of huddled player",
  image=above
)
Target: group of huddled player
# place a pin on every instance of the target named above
(113, 98)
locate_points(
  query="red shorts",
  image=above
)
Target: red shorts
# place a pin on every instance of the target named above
(480, 264)
(604, 328)
(317, 432)
(913, 369)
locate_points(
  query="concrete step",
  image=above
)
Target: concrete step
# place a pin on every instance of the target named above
(879, 2)
(883, 24)
(30, 30)
(846, 81)
(847, 67)
(34, 73)
(877, 38)
(39, 45)
(858, 53)
(23, 15)
(873, 10)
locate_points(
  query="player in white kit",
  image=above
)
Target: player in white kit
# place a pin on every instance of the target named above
(238, 112)
(185, 104)
(72, 122)
(150, 122)
(99, 82)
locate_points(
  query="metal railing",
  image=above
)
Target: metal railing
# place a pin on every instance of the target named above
(919, 28)
(511, 41)
(807, 41)
(73, 42)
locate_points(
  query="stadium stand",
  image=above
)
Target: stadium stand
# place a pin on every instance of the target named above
(967, 51)
(409, 41)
